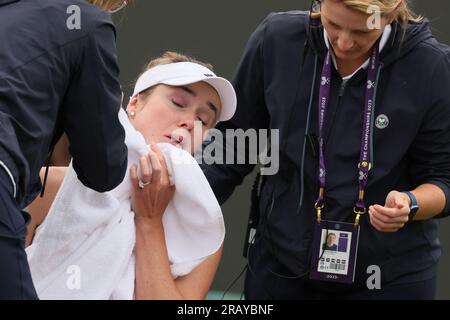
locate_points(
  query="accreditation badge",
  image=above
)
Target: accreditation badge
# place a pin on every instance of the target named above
(335, 247)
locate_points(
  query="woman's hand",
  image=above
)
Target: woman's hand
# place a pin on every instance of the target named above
(150, 201)
(393, 215)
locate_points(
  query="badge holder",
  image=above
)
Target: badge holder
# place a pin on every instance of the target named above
(335, 247)
(335, 244)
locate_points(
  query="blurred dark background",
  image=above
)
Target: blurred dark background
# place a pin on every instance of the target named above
(216, 32)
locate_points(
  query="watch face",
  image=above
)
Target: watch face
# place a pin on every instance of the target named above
(412, 211)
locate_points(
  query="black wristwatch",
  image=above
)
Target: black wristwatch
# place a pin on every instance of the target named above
(413, 207)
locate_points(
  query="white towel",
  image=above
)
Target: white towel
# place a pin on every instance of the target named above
(84, 248)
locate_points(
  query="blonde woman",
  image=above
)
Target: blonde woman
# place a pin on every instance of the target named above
(172, 248)
(58, 73)
(359, 91)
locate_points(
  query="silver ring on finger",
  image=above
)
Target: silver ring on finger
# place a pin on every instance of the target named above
(142, 184)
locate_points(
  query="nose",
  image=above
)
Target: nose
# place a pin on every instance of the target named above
(187, 123)
(345, 42)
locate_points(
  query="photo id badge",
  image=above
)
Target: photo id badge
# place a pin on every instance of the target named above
(335, 247)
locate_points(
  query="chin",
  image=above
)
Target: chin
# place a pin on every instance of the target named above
(346, 56)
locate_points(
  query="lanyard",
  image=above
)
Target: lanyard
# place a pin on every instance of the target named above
(365, 164)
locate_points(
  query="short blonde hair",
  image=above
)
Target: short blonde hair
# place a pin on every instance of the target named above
(398, 10)
(107, 5)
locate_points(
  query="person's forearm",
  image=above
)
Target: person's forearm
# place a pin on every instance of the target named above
(153, 277)
(431, 200)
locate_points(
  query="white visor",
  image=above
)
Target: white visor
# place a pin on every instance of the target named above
(184, 73)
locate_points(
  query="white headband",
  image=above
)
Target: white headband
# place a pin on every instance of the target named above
(184, 73)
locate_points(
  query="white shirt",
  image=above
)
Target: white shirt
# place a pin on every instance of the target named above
(384, 39)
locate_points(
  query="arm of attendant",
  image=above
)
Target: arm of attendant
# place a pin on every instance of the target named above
(430, 163)
(90, 113)
(394, 214)
(431, 199)
(39, 208)
(153, 277)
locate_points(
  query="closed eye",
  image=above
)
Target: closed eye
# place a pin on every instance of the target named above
(204, 123)
(362, 32)
(334, 25)
(179, 105)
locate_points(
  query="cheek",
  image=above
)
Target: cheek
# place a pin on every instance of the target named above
(197, 139)
(333, 37)
(148, 124)
(148, 129)
(330, 31)
(159, 114)
(369, 41)
(364, 43)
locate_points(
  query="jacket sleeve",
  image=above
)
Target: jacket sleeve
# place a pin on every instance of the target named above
(90, 112)
(430, 152)
(251, 113)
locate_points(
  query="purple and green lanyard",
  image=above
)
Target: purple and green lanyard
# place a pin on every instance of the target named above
(365, 159)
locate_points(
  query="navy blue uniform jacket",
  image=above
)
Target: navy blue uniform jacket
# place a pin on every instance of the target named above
(53, 79)
(274, 84)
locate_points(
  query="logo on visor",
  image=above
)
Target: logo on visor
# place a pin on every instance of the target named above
(208, 75)
(382, 121)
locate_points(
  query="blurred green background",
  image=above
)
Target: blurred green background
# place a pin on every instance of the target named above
(216, 32)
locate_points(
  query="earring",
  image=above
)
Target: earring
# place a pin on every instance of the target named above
(132, 114)
(315, 6)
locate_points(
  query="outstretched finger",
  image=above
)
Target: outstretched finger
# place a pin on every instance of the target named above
(146, 176)
(156, 166)
(133, 176)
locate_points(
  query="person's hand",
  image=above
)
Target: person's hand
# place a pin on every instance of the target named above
(152, 193)
(393, 215)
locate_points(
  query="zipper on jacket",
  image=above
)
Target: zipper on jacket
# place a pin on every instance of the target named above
(342, 89)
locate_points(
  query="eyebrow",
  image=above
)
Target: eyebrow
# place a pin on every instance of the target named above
(357, 30)
(193, 93)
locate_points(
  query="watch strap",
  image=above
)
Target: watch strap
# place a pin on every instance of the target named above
(414, 206)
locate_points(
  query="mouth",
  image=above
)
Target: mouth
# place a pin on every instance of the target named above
(339, 52)
(175, 140)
